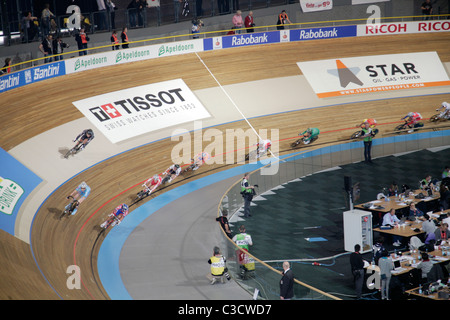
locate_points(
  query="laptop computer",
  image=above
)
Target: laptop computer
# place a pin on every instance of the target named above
(397, 265)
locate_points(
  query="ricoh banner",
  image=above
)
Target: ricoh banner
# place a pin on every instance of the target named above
(127, 113)
(110, 58)
(404, 27)
(348, 76)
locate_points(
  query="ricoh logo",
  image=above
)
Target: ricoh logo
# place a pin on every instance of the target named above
(136, 104)
(245, 40)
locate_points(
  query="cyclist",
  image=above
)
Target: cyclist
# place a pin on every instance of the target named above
(412, 121)
(120, 212)
(262, 147)
(173, 171)
(199, 159)
(372, 124)
(151, 184)
(310, 135)
(83, 139)
(80, 194)
(446, 112)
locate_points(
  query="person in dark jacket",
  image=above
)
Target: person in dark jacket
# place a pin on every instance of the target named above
(287, 282)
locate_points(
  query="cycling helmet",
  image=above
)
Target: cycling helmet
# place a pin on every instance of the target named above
(90, 132)
(411, 114)
(124, 207)
(309, 130)
(83, 185)
(177, 165)
(155, 177)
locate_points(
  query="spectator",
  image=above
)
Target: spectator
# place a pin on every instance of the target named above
(287, 282)
(30, 29)
(133, 9)
(415, 213)
(176, 9)
(6, 67)
(367, 137)
(114, 41)
(442, 233)
(357, 267)
(427, 9)
(444, 197)
(46, 47)
(247, 192)
(58, 48)
(390, 219)
(218, 266)
(378, 249)
(428, 226)
(393, 190)
(237, 21)
(282, 20)
(425, 265)
(82, 41)
(224, 223)
(243, 240)
(196, 26)
(446, 172)
(249, 24)
(124, 37)
(426, 183)
(46, 18)
(386, 265)
(101, 15)
(111, 8)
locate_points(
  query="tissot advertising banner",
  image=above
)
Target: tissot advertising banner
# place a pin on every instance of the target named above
(131, 112)
(347, 76)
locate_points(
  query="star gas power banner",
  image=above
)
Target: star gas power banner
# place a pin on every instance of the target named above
(347, 76)
(131, 112)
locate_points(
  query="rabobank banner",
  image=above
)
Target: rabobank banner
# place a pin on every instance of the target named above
(278, 36)
(16, 183)
(28, 76)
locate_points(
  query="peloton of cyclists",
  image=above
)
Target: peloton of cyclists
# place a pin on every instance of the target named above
(80, 194)
(120, 212)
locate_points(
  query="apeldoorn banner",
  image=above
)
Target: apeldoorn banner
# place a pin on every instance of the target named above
(348, 76)
(316, 5)
(125, 114)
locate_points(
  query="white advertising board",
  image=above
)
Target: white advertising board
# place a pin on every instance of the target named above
(127, 113)
(347, 76)
(316, 5)
(113, 57)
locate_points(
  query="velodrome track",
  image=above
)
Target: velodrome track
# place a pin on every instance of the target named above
(40, 121)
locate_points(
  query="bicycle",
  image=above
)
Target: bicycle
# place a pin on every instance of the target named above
(405, 127)
(360, 133)
(439, 117)
(110, 222)
(68, 209)
(142, 195)
(302, 140)
(76, 149)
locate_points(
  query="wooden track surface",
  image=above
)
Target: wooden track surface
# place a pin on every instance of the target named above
(33, 109)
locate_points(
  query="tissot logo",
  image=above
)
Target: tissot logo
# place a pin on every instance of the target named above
(135, 104)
